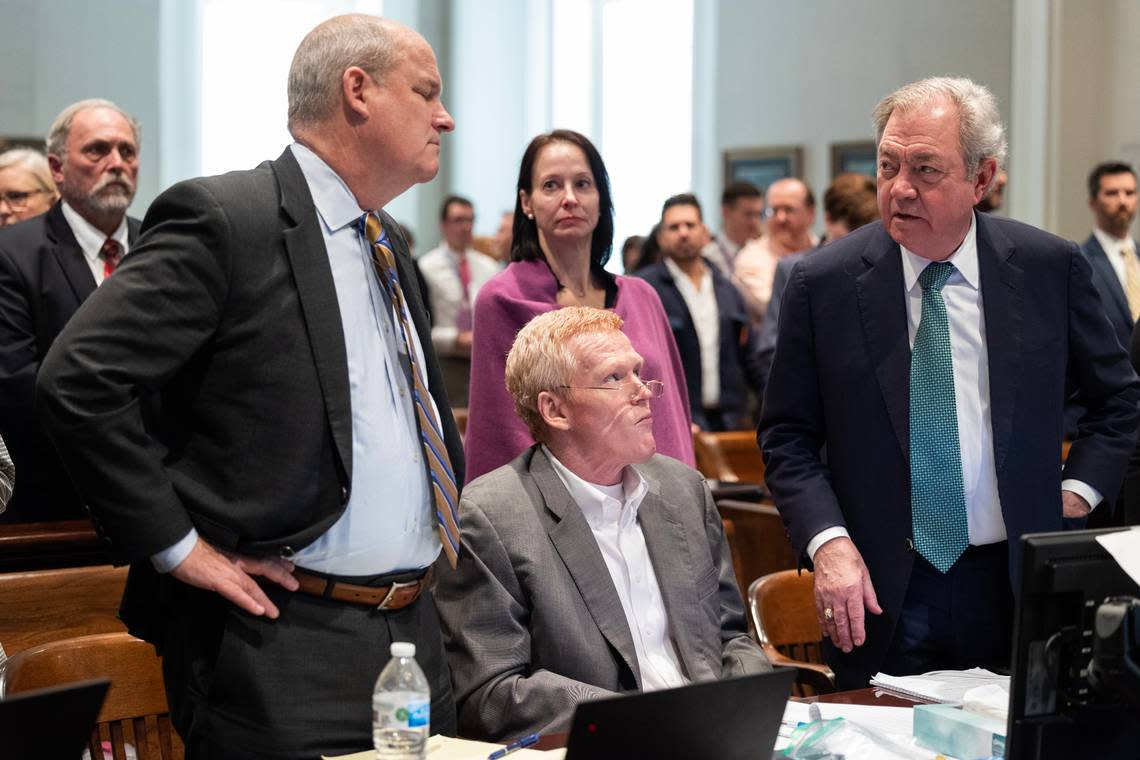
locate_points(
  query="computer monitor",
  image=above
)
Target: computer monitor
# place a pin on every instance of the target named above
(1055, 711)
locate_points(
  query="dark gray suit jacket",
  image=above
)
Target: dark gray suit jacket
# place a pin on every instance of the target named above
(227, 305)
(44, 278)
(532, 620)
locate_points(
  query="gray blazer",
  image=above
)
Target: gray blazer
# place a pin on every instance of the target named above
(532, 621)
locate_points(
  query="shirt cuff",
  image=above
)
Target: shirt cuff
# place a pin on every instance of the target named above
(170, 558)
(825, 535)
(1084, 490)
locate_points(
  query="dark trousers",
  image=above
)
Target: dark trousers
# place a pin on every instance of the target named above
(242, 686)
(958, 620)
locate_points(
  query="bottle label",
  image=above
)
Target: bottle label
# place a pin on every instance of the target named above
(397, 710)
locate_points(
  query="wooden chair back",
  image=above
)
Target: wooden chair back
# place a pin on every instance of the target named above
(730, 457)
(782, 608)
(47, 605)
(135, 711)
(45, 545)
(759, 540)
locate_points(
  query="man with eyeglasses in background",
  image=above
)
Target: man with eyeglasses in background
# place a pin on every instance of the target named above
(49, 265)
(599, 566)
(790, 213)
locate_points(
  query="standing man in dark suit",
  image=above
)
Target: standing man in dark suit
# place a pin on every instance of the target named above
(281, 522)
(928, 355)
(49, 265)
(1110, 248)
(708, 317)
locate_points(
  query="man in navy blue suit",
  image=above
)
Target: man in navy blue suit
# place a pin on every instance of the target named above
(1110, 248)
(913, 418)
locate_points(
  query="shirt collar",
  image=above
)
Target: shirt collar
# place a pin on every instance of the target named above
(1110, 244)
(89, 237)
(597, 506)
(678, 274)
(965, 260)
(335, 203)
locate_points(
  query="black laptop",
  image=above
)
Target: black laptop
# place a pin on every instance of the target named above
(50, 723)
(733, 718)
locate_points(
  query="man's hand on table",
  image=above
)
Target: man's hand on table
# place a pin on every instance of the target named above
(231, 575)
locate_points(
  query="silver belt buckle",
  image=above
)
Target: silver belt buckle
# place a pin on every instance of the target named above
(392, 590)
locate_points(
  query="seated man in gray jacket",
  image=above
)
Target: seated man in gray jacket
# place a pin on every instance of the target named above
(590, 565)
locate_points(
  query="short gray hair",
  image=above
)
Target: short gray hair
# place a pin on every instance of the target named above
(61, 127)
(980, 131)
(33, 162)
(354, 39)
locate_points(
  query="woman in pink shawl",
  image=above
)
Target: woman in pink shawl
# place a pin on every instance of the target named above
(563, 236)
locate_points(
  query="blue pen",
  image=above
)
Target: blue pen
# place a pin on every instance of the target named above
(526, 741)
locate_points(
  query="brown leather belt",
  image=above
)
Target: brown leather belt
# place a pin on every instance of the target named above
(392, 597)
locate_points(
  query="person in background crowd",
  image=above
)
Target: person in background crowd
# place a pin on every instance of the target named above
(454, 272)
(503, 236)
(742, 220)
(563, 236)
(848, 204)
(281, 520)
(790, 212)
(941, 428)
(718, 347)
(596, 566)
(631, 252)
(49, 265)
(995, 198)
(1111, 249)
(26, 186)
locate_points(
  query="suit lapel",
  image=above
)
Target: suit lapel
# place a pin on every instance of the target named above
(1116, 298)
(305, 246)
(65, 248)
(1003, 301)
(882, 310)
(673, 565)
(575, 544)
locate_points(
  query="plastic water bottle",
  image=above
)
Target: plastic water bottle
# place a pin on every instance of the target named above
(401, 706)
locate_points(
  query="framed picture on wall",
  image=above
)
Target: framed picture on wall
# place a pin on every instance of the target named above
(763, 166)
(7, 143)
(857, 157)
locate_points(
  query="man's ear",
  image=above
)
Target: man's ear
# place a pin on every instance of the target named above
(553, 411)
(984, 178)
(355, 89)
(56, 166)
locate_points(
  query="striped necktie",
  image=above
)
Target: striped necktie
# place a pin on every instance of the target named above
(446, 494)
(937, 495)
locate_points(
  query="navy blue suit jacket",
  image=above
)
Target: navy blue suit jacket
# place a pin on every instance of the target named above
(840, 380)
(1108, 286)
(739, 359)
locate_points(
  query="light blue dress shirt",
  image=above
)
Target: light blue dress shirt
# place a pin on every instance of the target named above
(388, 523)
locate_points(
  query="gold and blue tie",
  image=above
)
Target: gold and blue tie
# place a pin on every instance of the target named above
(938, 501)
(445, 492)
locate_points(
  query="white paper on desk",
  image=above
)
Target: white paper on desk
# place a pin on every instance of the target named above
(946, 686)
(446, 748)
(1124, 546)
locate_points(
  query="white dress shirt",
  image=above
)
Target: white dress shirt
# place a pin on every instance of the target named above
(440, 270)
(1112, 247)
(388, 524)
(966, 314)
(700, 300)
(611, 512)
(91, 239)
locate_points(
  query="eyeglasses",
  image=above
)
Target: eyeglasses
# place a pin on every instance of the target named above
(18, 199)
(632, 387)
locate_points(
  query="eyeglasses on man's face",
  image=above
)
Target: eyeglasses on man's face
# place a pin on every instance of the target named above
(633, 388)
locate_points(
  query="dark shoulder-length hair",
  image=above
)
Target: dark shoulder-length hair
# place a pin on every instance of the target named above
(524, 246)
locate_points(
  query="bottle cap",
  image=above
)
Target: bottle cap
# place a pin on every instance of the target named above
(402, 649)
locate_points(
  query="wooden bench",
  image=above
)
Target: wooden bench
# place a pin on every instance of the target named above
(44, 545)
(47, 605)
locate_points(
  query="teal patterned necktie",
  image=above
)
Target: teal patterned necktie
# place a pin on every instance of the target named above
(937, 498)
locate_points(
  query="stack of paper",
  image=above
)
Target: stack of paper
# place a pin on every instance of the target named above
(947, 686)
